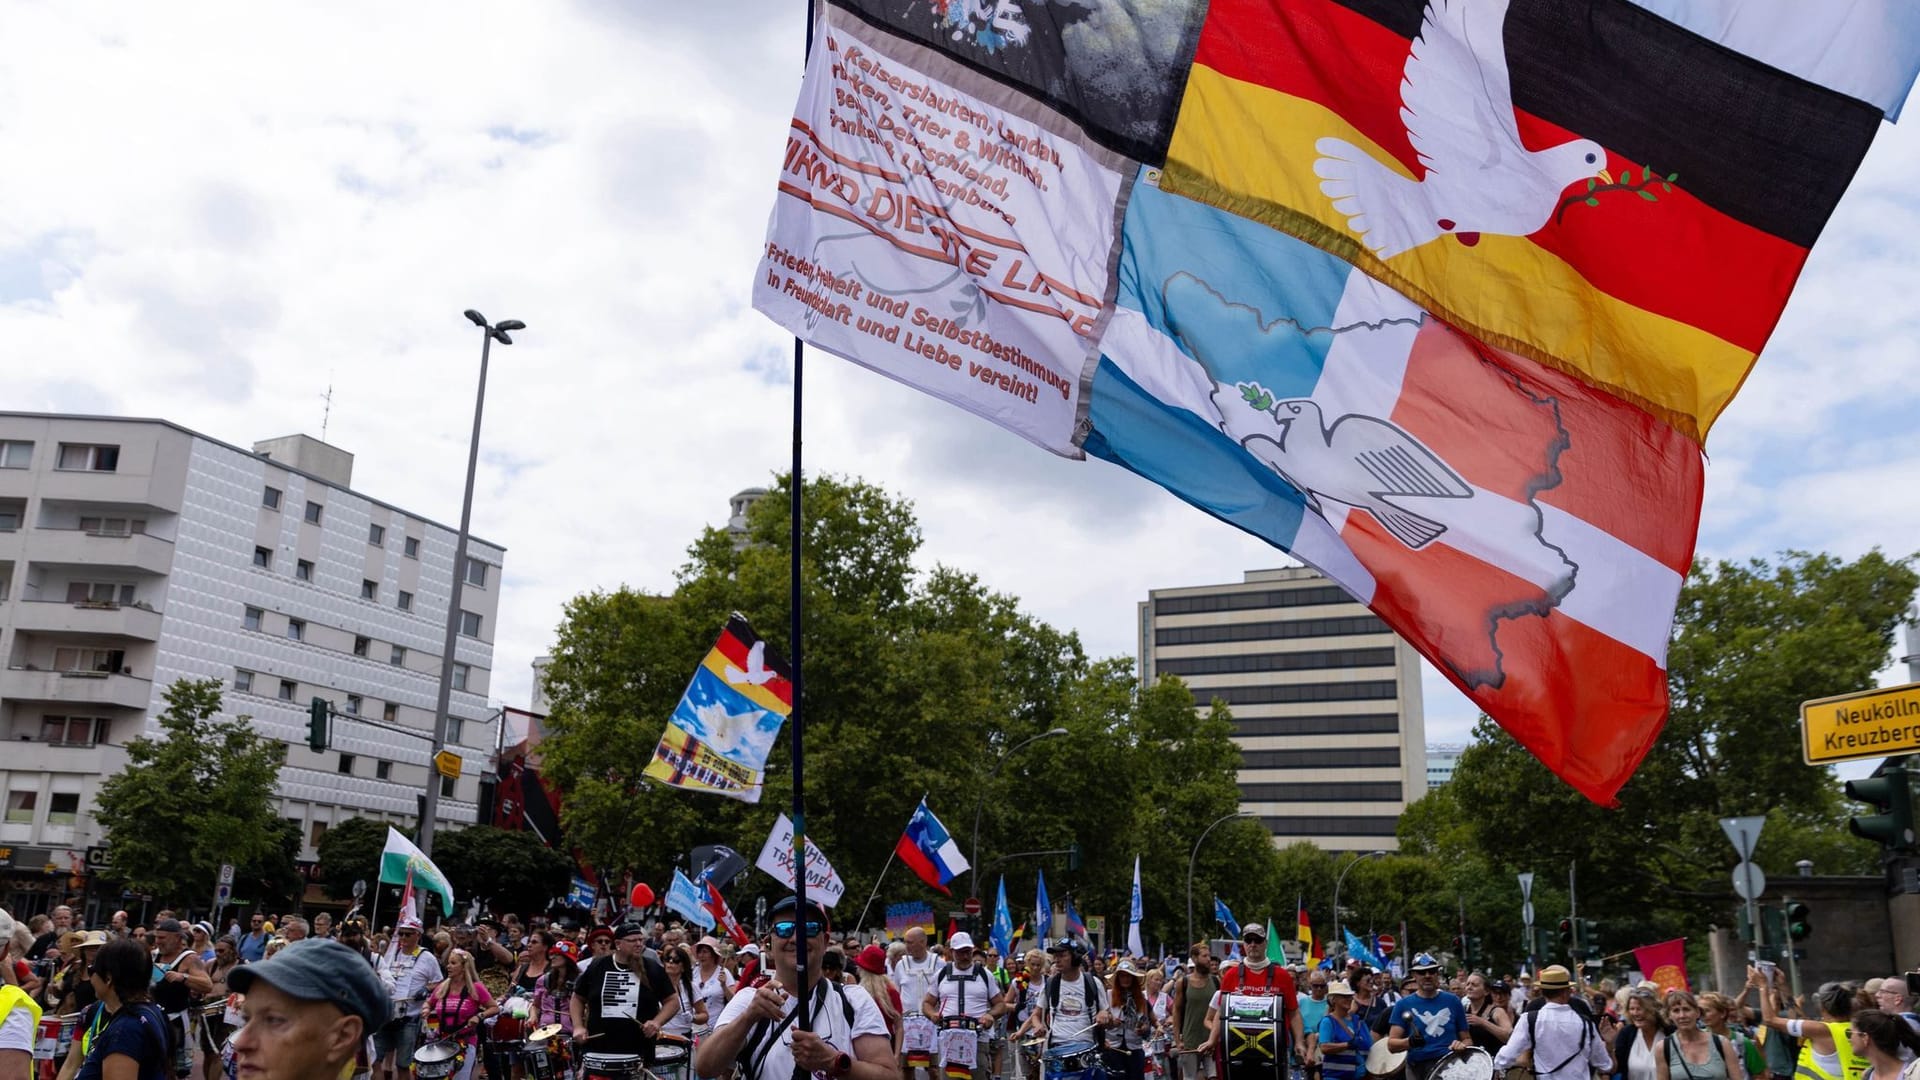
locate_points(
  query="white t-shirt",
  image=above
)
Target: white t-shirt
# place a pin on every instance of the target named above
(915, 978)
(1072, 1020)
(712, 991)
(966, 993)
(829, 1022)
(17, 1033)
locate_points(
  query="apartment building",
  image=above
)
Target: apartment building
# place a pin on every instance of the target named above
(1325, 699)
(134, 552)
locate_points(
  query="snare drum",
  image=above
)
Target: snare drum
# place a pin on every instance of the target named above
(611, 1066)
(438, 1060)
(1072, 1061)
(673, 1057)
(1473, 1064)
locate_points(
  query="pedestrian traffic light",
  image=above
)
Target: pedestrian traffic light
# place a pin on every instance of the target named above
(1892, 827)
(1799, 926)
(317, 725)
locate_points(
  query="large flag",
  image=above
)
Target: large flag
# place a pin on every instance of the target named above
(776, 858)
(716, 863)
(723, 915)
(1358, 949)
(1225, 918)
(1042, 908)
(1665, 964)
(926, 848)
(1136, 911)
(1002, 921)
(401, 863)
(689, 901)
(1276, 951)
(1305, 929)
(721, 732)
(1076, 926)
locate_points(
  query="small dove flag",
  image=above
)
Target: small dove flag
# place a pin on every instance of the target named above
(719, 736)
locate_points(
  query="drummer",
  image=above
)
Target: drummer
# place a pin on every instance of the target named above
(1428, 1024)
(308, 1010)
(963, 990)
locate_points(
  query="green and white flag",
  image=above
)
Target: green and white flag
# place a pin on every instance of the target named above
(402, 857)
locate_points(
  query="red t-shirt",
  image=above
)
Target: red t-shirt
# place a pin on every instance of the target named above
(1271, 981)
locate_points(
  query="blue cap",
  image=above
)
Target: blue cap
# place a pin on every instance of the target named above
(1423, 962)
(320, 969)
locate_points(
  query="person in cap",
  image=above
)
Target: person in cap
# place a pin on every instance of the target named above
(178, 978)
(408, 971)
(620, 1004)
(599, 944)
(308, 1011)
(1254, 974)
(216, 1026)
(1428, 1024)
(1342, 1038)
(963, 993)
(1563, 1043)
(870, 971)
(1071, 1010)
(848, 1037)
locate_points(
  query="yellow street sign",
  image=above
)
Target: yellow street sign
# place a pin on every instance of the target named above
(1868, 724)
(447, 763)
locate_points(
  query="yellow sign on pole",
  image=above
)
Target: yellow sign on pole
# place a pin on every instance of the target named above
(1868, 724)
(447, 763)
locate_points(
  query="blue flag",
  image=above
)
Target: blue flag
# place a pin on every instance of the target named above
(684, 898)
(1358, 949)
(1075, 924)
(1043, 910)
(582, 894)
(1226, 918)
(1003, 921)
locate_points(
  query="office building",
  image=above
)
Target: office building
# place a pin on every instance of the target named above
(1441, 760)
(135, 552)
(1325, 700)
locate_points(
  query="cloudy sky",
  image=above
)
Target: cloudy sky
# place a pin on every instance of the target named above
(214, 212)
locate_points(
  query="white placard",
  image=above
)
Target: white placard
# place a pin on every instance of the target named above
(959, 1046)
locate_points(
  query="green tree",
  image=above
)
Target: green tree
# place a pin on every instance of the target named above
(350, 852)
(198, 795)
(510, 870)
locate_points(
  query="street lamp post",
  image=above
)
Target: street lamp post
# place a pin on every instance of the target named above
(1191, 859)
(431, 807)
(973, 867)
(1357, 860)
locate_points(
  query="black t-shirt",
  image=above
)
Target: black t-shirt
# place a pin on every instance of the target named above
(138, 1031)
(618, 1000)
(42, 943)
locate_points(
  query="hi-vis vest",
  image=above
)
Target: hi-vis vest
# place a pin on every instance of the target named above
(1852, 1065)
(11, 998)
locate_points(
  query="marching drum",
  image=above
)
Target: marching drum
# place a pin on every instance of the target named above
(1383, 1064)
(672, 1057)
(1474, 1064)
(612, 1066)
(1254, 1047)
(1072, 1061)
(437, 1060)
(545, 1056)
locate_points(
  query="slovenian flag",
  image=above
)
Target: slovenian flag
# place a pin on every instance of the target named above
(929, 851)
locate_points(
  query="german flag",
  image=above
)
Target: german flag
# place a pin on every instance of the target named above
(1578, 181)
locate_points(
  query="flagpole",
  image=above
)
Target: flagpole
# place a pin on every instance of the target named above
(861, 923)
(802, 1021)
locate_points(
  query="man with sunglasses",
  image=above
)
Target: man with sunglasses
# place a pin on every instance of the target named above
(1255, 975)
(621, 1003)
(1429, 1024)
(757, 1030)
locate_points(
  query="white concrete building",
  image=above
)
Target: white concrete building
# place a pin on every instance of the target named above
(134, 552)
(1442, 758)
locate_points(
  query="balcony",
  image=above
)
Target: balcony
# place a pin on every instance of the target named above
(128, 551)
(76, 688)
(92, 619)
(86, 486)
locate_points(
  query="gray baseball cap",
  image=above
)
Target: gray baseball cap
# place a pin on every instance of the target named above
(320, 969)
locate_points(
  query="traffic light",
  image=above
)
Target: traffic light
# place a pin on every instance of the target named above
(1799, 926)
(1474, 949)
(1073, 856)
(317, 725)
(1892, 827)
(1566, 933)
(1590, 937)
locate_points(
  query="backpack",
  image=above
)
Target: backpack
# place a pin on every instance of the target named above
(1089, 985)
(753, 1052)
(1586, 1035)
(979, 971)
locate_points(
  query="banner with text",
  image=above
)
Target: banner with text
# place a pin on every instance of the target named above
(904, 917)
(776, 858)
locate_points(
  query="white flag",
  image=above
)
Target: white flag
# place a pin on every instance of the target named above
(776, 858)
(1135, 914)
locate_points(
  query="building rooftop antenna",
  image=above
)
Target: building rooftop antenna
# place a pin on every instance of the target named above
(326, 414)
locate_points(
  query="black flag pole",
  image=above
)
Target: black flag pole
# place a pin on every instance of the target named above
(798, 716)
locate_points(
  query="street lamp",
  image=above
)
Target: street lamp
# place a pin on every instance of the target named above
(973, 868)
(430, 809)
(1196, 855)
(1357, 860)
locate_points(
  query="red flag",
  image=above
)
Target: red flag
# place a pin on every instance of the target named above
(717, 904)
(953, 927)
(1665, 964)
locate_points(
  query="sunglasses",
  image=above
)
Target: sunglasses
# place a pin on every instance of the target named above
(1253, 937)
(785, 927)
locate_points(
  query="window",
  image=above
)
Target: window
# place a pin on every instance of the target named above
(377, 535)
(346, 765)
(303, 569)
(352, 707)
(314, 832)
(383, 770)
(361, 644)
(469, 624)
(296, 630)
(113, 526)
(99, 592)
(270, 498)
(108, 661)
(460, 673)
(20, 806)
(88, 458)
(16, 455)
(476, 573)
(313, 512)
(411, 549)
(63, 808)
(456, 727)
(243, 680)
(399, 656)
(405, 602)
(263, 558)
(72, 730)
(251, 620)
(369, 590)
(390, 713)
(287, 689)
(446, 790)
(9, 520)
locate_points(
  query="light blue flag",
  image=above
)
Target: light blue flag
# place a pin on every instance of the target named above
(1226, 919)
(1358, 949)
(1003, 921)
(1043, 910)
(684, 899)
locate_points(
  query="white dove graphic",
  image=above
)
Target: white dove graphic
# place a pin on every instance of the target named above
(1457, 105)
(757, 673)
(1361, 462)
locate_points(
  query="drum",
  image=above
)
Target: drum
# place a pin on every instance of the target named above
(439, 1059)
(1383, 1063)
(611, 1066)
(1072, 1061)
(543, 1058)
(502, 1044)
(1474, 1064)
(673, 1057)
(1255, 1048)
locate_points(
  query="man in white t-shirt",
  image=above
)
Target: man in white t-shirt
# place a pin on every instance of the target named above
(913, 973)
(963, 988)
(848, 1040)
(1072, 1007)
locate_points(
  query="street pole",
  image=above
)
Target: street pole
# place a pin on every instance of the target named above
(1195, 856)
(973, 867)
(1357, 860)
(430, 809)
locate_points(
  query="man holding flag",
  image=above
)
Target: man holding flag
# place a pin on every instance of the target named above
(408, 972)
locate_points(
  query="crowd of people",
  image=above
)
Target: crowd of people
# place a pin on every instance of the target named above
(285, 999)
